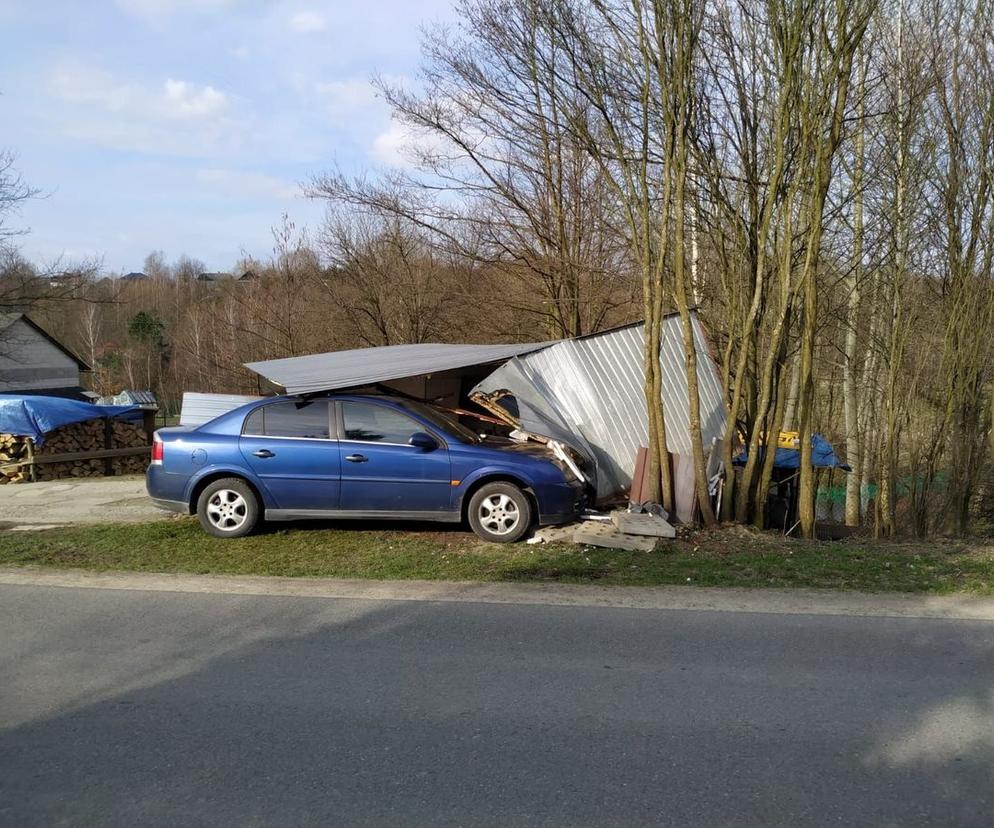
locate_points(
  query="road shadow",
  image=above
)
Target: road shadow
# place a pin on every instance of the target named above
(307, 711)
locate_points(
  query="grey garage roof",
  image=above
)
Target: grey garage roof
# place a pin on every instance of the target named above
(366, 366)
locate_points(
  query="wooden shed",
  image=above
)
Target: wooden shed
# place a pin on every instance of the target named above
(32, 361)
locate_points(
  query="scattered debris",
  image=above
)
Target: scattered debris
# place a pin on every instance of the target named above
(606, 535)
(645, 524)
(592, 514)
(618, 529)
(553, 534)
(648, 507)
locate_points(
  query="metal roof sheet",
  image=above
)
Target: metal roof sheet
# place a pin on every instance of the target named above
(367, 366)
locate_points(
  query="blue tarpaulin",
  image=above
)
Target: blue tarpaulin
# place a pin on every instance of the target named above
(823, 456)
(35, 416)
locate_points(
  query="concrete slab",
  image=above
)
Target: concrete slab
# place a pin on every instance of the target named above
(634, 523)
(606, 535)
(553, 534)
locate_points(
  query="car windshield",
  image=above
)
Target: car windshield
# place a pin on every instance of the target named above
(450, 425)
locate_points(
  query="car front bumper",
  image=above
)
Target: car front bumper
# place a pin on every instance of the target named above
(561, 504)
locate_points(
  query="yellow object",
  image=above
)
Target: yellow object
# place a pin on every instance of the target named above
(789, 440)
(786, 439)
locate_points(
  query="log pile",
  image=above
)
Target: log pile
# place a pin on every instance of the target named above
(77, 439)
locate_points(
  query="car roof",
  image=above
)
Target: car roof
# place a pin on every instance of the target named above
(231, 420)
(384, 399)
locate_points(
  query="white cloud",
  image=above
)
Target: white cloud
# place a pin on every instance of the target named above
(74, 83)
(247, 184)
(388, 147)
(161, 8)
(399, 145)
(173, 99)
(307, 22)
(350, 98)
(185, 100)
(173, 117)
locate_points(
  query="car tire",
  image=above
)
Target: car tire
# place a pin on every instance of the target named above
(228, 508)
(500, 513)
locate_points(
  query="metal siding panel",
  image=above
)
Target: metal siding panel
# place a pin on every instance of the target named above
(712, 393)
(202, 408)
(594, 387)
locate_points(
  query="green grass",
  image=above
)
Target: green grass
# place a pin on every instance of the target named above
(719, 558)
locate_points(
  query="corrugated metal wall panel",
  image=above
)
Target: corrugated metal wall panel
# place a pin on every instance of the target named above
(594, 387)
(202, 408)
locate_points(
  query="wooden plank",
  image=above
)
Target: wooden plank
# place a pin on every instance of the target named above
(75, 455)
(29, 443)
(642, 524)
(604, 534)
(639, 476)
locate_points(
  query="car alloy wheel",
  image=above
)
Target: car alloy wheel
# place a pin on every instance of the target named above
(499, 514)
(227, 510)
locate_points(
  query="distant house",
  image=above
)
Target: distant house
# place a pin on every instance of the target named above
(34, 362)
(214, 277)
(133, 276)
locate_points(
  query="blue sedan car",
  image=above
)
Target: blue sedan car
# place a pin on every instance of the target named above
(356, 456)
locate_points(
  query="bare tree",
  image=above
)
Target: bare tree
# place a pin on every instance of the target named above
(499, 176)
(14, 191)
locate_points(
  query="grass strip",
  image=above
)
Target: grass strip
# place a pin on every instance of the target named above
(718, 558)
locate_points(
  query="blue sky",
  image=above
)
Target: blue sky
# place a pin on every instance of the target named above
(188, 125)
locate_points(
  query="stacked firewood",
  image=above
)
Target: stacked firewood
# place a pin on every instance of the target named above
(77, 438)
(11, 449)
(129, 435)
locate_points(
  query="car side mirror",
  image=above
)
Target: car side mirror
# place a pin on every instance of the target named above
(421, 440)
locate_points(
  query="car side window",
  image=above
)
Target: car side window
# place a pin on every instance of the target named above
(377, 423)
(290, 419)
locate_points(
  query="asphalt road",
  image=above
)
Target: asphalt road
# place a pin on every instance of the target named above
(155, 708)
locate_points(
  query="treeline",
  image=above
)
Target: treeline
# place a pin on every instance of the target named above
(174, 327)
(815, 176)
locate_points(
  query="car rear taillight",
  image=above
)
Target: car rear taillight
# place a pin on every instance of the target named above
(157, 450)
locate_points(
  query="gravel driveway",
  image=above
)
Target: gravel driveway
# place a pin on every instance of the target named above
(91, 500)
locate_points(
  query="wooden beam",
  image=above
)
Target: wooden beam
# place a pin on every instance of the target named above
(70, 457)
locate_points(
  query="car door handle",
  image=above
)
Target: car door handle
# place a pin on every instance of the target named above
(356, 458)
(264, 453)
